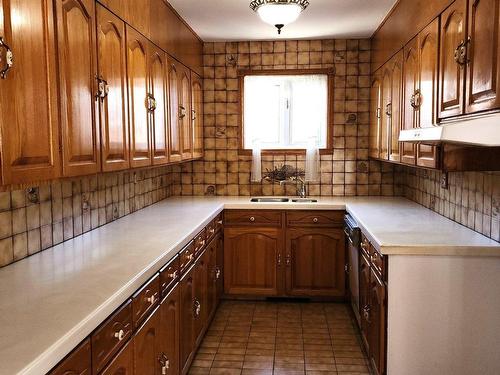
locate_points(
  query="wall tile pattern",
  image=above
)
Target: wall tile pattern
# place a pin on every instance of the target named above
(265, 338)
(472, 198)
(344, 171)
(37, 218)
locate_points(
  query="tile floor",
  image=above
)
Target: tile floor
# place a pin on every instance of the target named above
(268, 338)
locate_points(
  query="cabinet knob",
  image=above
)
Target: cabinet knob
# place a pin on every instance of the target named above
(218, 273)
(173, 275)
(197, 308)
(219, 222)
(120, 334)
(288, 260)
(315, 220)
(252, 219)
(151, 299)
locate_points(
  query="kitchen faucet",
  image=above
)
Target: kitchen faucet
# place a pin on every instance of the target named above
(300, 183)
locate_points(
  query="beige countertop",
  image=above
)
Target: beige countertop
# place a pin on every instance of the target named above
(51, 301)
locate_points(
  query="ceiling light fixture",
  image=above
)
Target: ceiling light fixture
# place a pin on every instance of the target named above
(279, 12)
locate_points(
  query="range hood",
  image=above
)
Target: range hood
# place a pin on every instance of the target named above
(476, 131)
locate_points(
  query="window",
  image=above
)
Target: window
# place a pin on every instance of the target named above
(285, 111)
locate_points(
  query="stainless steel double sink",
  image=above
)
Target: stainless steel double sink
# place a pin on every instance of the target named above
(282, 200)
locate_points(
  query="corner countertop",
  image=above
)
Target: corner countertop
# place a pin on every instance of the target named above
(51, 301)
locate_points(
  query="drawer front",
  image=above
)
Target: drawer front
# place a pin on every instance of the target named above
(253, 218)
(211, 230)
(315, 218)
(145, 300)
(365, 246)
(111, 336)
(77, 363)
(186, 257)
(169, 275)
(199, 242)
(377, 260)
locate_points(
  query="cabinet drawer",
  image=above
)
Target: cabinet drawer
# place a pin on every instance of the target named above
(219, 222)
(169, 275)
(145, 300)
(78, 362)
(186, 257)
(365, 246)
(377, 260)
(111, 336)
(199, 242)
(253, 218)
(315, 218)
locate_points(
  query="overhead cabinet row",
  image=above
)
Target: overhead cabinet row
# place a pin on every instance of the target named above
(451, 68)
(86, 92)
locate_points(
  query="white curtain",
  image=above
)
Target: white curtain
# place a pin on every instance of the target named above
(312, 161)
(256, 161)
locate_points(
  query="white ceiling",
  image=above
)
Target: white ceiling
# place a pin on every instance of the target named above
(233, 20)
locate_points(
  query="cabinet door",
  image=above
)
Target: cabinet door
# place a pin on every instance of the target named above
(138, 76)
(158, 105)
(169, 331)
(123, 363)
(364, 298)
(410, 109)
(28, 92)
(185, 119)
(452, 72)
(111, 46)
(146, 346)
(396, 66)
(377, 323)
(197, 115)
(220, 267)
(427, 94)
(212, 275)
(483, 79)
(200, 297)
(174, 78)
(386, 121)
(252, 260)
(77, 363)
(187, 317)
(315, 262)
(375, 115)
(77, 76)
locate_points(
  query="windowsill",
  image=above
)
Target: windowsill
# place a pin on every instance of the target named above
(248, 152)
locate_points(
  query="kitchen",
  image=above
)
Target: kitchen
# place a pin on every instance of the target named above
(249, 187)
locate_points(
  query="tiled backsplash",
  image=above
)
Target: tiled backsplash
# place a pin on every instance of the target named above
(35, 219)
(472, 198)
(345, 171)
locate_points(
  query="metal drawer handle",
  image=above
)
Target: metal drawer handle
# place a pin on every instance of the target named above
(416, 99)
(173, 275)
(120, 334)
(252, 219)
(182, 111)
(193, 115)
(197, 308)
(151, 104)
(151, 299)
(102, 88)
(218, 273)
(366, 313)
(288, 260)
(164, 363)
(9, 59)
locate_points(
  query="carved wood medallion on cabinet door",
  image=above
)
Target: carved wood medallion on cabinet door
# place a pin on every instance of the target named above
(411, 91)
(453, 59)
(158, 104)
(185, 122)
(375, 115)
(396, 66)
(174, 75)
(28, 92)
(386, 122)
(315, 260)
(197, 114)
(111, 44)
(426, 97)
(78, 87)
(483, 74)
(137, 72)
(169, 332)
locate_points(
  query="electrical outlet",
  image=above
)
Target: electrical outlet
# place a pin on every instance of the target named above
(444, 180)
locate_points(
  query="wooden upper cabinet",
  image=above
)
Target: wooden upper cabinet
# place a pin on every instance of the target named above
(111, 47)
(386, 120)
(28, 92)
(138, 95)
(396, 66)
(426, 97)
(483, 73)
(185, 115)
(136, 13)
(315, 262)
(375, 115)
(78, 89)
(174, 79)
(410, 90)
(159, 23)
(158, 104)
(452, 56)
(197, 114)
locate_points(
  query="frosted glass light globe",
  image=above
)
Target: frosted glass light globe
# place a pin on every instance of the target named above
(279, 14)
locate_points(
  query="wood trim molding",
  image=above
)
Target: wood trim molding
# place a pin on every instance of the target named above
(284, 72)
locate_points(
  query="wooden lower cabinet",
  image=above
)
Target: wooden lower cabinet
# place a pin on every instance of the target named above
(169, 331)
(146, 346)
(315, 261)
(200, 312)
(186, 320)
(364, 303)
(123, 363)
(253, 258)
(377, 320)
